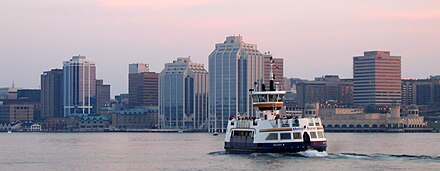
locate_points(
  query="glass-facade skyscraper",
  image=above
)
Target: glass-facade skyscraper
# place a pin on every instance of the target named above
(52, 94)
(234, 66)
(183, 95)
(79, 84)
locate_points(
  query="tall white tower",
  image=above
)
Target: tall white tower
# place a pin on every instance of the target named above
(234, 66)
(79, 86)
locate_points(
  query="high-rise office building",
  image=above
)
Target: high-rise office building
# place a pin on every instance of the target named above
(138, 68)
(234, 66)
(183, 95)
(29, 95)
(421, 91)
(79, 91)
(377, 79)
(52, 94)
(278, 70)
(102, 94)
(143, 89)
(325, 88)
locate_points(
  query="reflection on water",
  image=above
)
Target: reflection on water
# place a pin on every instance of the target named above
(317, 154)
(202, 151)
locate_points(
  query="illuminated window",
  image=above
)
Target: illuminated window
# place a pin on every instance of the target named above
(296, 135)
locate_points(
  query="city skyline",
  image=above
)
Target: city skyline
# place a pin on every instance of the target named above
(128, 31)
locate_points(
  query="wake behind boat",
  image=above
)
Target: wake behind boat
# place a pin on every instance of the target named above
(271, 131)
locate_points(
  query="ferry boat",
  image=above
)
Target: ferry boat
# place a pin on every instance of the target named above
(271, 131)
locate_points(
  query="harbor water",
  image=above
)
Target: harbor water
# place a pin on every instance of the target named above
(203, 151)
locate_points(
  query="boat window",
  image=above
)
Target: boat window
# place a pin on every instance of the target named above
(295, 123)
(285, 123)
(313, 135)
(280, 98)
(272, 136)
(255, 98)
(286, 136)
(317, 123)
(320, 134)
(262, 98)
(296, 135)
(271, 97)
(242, 133)
(311, 124)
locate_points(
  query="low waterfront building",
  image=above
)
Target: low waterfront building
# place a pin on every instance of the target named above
(60, 124)
(134, 119)
(35, 128)
(392, 119)
(5, 126)
(93, 122)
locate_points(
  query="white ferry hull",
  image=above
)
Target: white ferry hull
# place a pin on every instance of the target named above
(292, 147)
(275, 136)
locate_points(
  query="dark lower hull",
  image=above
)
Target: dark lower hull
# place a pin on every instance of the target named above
(291, 147)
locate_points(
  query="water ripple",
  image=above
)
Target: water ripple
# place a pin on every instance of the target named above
(385, 157)
(316, 154)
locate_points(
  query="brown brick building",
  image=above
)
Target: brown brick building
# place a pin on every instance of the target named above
(16, 112)
(134, 119)
(143, 89)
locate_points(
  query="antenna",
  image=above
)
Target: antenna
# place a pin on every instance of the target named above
(13, 84)
(271, 86)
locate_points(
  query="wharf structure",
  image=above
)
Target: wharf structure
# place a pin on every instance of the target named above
(388, 119)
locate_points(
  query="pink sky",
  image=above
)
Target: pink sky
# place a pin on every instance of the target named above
(314, 37)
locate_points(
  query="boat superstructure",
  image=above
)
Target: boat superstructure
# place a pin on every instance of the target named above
(271, 131)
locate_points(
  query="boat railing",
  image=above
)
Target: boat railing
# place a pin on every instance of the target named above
(285, 123)
(244, 123)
